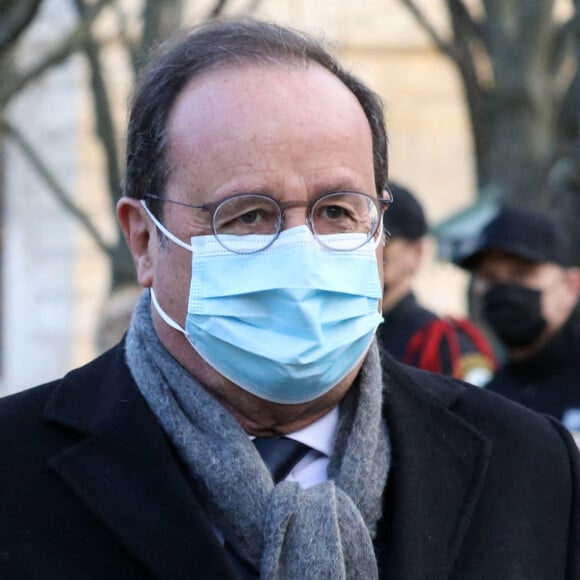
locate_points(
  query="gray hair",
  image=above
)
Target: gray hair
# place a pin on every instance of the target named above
(208, 47)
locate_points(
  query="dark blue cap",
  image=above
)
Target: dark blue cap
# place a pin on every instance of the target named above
(527, 233)
(405, 218)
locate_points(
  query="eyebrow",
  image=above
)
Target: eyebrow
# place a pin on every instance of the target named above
(346, 185)
(341, 184)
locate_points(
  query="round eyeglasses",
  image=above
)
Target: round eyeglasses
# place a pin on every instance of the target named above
(342, 212)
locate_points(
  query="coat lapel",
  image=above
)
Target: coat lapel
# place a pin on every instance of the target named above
(438, 470)
(125, 472)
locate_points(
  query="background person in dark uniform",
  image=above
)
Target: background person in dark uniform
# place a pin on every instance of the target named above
(529, 297)
(412, 333)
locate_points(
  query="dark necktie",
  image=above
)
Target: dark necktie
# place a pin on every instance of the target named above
(280, 455)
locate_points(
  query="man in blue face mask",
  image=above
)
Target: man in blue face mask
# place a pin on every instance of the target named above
(244, 428)
(529, 295)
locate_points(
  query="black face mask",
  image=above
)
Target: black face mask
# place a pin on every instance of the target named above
(514, 313)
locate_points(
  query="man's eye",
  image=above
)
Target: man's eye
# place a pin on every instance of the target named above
(251, 217)
(334, 212)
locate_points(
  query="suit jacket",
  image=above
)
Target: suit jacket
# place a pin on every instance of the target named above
(90, 488)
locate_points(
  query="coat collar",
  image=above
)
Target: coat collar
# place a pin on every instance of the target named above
(125, 471)
(438, 468)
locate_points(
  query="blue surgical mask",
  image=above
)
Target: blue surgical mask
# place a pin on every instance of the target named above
(286, 324)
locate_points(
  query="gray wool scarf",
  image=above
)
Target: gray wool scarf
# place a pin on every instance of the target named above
(286, 532)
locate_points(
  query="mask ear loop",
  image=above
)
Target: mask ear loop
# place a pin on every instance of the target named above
(165, 231)
(381, 238)
(166, 318)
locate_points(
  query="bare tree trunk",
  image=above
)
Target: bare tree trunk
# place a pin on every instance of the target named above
(523, 100)
(510, 61)
(565, 175)
(160, 21)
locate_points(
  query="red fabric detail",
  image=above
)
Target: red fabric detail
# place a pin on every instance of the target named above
(477, 337)
(424, 348)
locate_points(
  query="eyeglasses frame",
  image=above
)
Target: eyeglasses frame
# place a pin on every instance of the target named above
(381, 203)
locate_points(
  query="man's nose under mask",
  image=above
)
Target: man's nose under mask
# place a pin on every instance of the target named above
(286, 324)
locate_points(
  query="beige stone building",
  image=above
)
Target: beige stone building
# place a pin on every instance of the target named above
(55, 280)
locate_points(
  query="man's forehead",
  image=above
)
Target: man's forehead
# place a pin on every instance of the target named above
(491, 257)
(266, 106)
(254, 78)
(289, 132)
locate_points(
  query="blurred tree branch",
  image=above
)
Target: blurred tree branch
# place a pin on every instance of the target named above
(59, 192)
(159, 20)
(424, 22)
(510, 59)
(15, 17)
(68, 46)
(519, 66)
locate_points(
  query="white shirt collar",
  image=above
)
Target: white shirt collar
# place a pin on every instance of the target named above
(321, 434)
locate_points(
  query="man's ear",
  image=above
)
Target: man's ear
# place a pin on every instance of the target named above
(137, 229)
(573, 278)
(416, 250)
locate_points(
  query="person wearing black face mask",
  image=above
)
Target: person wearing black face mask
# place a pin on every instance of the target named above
(514, 312)
(529, 298)
(412, 333)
